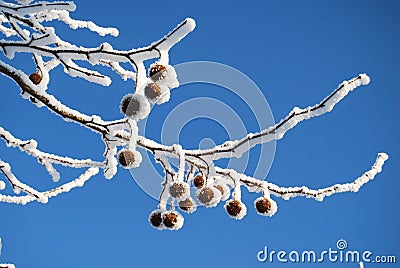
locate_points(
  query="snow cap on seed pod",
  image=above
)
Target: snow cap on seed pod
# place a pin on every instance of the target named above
(221, 184)
(235, 209)
(163, 75)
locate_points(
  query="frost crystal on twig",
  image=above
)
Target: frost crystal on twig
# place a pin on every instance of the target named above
(25, 26)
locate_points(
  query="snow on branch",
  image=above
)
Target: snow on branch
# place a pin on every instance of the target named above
(23, 26)
(286, 193)
(210, 177)
(33, 194)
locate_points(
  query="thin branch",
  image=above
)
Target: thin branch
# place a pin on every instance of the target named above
(79, 182)
(19, 186)
(30, 147)
(319, 194)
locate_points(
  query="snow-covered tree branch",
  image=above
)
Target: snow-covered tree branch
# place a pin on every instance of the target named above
(25, 27)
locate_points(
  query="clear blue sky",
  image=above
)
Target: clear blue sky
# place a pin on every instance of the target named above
(297, 52)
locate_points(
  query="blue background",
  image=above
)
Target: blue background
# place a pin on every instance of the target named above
(297, 52)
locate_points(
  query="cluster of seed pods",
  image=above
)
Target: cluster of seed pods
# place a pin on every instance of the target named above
(208, 193)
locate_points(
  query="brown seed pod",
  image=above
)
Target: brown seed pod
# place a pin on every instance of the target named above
(157, 72)
(263, 206)
(152, 91)
(129, 105)
(126, 158)
(177, 189)
(35, 78)
(205, 195)
(186, 204)
(156, 219)
(170, 219)
(233, 207)
(198, 181)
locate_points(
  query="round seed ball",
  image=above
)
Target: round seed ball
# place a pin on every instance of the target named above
(35, 78)
(186, 204)
(198, 181)
(156, 219)
(205, 195)
(126, 158)
(263, 206)
(233, 208)
(170, 219)
(177, 190)
(129, 105)
(157, 72)
(152, 91)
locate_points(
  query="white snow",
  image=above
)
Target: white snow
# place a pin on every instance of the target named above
(267, 135)
(165, 95)
(2, 185)
(75, 24)
(24, 2)
(178, 33)
(181, 168)
(111, 161)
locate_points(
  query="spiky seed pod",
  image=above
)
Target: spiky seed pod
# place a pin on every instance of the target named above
(126, 158)
(198, 181)
(205, 195)
(152, 91)
(263, 206)
(157, 72)
(156, 220)
(235, 209)
(187, 205)
(172, 220)
(36, 78)
(129, 105)
(177, 189)
(208, 196)
(135, 106)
